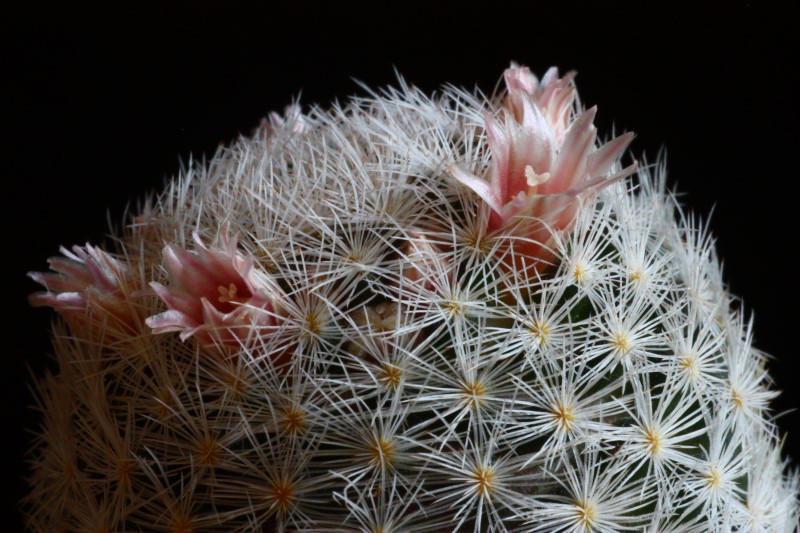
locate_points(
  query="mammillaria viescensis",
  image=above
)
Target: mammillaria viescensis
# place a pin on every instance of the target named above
(409, 313)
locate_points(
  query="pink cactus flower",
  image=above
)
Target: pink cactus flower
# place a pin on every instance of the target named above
(90, 289)
(292, 116)
(544, 160)
(215, 295)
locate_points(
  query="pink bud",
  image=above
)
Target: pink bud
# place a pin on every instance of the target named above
(292, 116)
(422, 262)
(92, 290)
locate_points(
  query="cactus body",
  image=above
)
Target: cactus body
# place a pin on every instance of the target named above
(340, 324)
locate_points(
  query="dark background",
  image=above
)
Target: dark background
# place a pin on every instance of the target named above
(102, 104)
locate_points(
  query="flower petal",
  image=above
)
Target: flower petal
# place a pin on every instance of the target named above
(480, 186)
(533, 144)
(571, 163)
(604, 157)
(169, 320)
(183, 302)
(601, 182)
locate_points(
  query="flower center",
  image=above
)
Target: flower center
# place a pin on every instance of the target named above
(534, 179)
(229, 294)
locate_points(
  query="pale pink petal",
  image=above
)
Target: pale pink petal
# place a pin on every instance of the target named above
(250, 279)
(499, 144)
(555, 92)
(554, 96)
(103, 269)
(63, 302)
(214, 318)
(570, 165)
(519, 83)
(521, 78)
(234, 328)
(191, 271)
(187, 303)
(601, 182)
(72, 270)
(559, 110)
(169, 321)
(534, 146)
(550, 77)
(292, 114)
(57, 283)
(560, 209)
(480, 186)
(604, 157)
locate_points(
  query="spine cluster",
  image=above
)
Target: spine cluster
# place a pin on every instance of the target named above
(411, 313)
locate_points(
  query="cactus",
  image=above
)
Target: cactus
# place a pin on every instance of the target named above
(408, 313)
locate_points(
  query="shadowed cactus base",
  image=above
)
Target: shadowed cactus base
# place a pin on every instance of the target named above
(410, 313)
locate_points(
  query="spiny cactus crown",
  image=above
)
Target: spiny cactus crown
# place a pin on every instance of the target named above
(410, 313)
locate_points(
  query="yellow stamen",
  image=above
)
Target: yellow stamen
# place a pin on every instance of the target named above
(477, 240)
(237, 383)
(314, 322)
(165, 405)
(229, 294)
(534, 179)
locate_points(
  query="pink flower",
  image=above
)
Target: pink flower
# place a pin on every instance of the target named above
(90, 289)
(292, 116)
(544, 160)
(215, 295)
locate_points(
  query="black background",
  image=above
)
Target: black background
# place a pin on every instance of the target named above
(101, 105)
